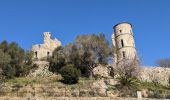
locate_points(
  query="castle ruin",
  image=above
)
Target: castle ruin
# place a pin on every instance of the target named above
(46, 49)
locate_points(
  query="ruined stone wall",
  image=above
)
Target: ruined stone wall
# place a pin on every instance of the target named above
(160, 75)
(155, 74)
(45, 49)
(72, 98)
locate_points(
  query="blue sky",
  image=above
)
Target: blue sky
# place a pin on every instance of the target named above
(24, 21)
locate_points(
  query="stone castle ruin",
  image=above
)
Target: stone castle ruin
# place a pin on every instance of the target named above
(124, 48)
(45, 49)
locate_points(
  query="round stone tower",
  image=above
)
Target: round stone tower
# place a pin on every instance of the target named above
(123, 42)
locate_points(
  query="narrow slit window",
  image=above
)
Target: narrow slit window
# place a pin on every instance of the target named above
(122, 43)
(123, 54)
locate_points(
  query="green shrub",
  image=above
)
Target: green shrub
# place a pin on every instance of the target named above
(126, 85)
(8, 71)
(70, 74)
(57, 61)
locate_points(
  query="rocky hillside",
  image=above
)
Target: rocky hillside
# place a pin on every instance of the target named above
(42, 70)
(52, 87)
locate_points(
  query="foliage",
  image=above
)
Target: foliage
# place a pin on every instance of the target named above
(154, 91)
(163, 62)
(4, 46)
(5, 59)
(9, 71)
(20, 80)
(96, 45)
(6, 69)
(28, 57)
(14, 61)
(84, 53)
(70, 74)
(92, 50)
(16, 53)
(57, 61)
(127, 82)
(151, 86)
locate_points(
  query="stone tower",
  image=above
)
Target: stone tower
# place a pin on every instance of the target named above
(47, 38)
(123, 42)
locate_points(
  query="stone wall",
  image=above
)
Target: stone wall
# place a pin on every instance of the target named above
(155, 74)
(72, 98)
(45, 49)
(148, 73)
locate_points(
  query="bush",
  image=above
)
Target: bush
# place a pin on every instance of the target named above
(8, 71)
(70, 74)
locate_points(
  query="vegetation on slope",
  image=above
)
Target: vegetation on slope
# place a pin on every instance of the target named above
(84, 54)
(14, 61)
(74, 62)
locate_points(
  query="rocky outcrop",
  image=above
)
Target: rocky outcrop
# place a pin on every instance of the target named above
(102, 71)
(42, 70)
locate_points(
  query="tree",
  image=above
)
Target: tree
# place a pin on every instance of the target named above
(4, 62)
(14, 61)
(70, 74)
(127, 72)
(28, 57)
(163, 62)
(4, 58)
(92, 49)
(9, 71)
(17, 54)
(84, 53)
(4, 46)
(57, 61)
(17, 57)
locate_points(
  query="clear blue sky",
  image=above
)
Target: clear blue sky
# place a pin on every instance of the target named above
(24, 21)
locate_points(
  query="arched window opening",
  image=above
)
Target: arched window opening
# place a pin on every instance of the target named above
(120, 31)
(36, 53)
(48, 54)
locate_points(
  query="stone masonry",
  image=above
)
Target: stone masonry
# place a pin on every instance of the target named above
(46, 49)
(123, 42)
